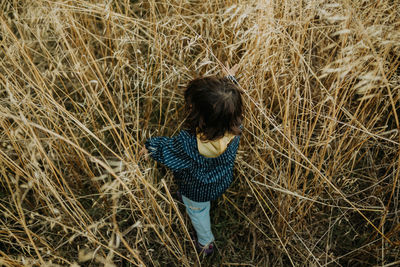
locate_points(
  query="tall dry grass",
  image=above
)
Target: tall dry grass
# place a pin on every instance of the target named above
(84, 83)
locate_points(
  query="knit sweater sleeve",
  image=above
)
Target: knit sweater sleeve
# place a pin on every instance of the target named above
(168, 151)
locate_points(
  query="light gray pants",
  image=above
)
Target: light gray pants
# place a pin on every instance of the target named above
(199, 213)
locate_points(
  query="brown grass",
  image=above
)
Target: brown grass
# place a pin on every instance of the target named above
(84, 83)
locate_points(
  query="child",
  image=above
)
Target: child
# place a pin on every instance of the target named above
(202, 157)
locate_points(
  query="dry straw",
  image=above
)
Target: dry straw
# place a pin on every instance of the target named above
(84, 83)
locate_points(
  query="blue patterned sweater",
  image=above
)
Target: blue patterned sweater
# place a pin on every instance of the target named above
(199, 178)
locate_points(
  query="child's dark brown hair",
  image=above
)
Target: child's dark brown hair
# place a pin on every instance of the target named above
(214, 107)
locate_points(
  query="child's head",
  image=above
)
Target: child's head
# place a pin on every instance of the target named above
(214, 106)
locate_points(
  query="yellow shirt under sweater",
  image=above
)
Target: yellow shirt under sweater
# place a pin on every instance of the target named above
(212, 149)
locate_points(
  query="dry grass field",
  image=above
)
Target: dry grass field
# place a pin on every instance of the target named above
(84, 83)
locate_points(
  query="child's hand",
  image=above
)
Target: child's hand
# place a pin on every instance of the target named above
(229, 71)
(144, 152)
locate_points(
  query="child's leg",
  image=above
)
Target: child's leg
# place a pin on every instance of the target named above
(199, 213)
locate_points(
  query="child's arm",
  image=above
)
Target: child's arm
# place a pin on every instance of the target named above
(168, 151)
(230, 72)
